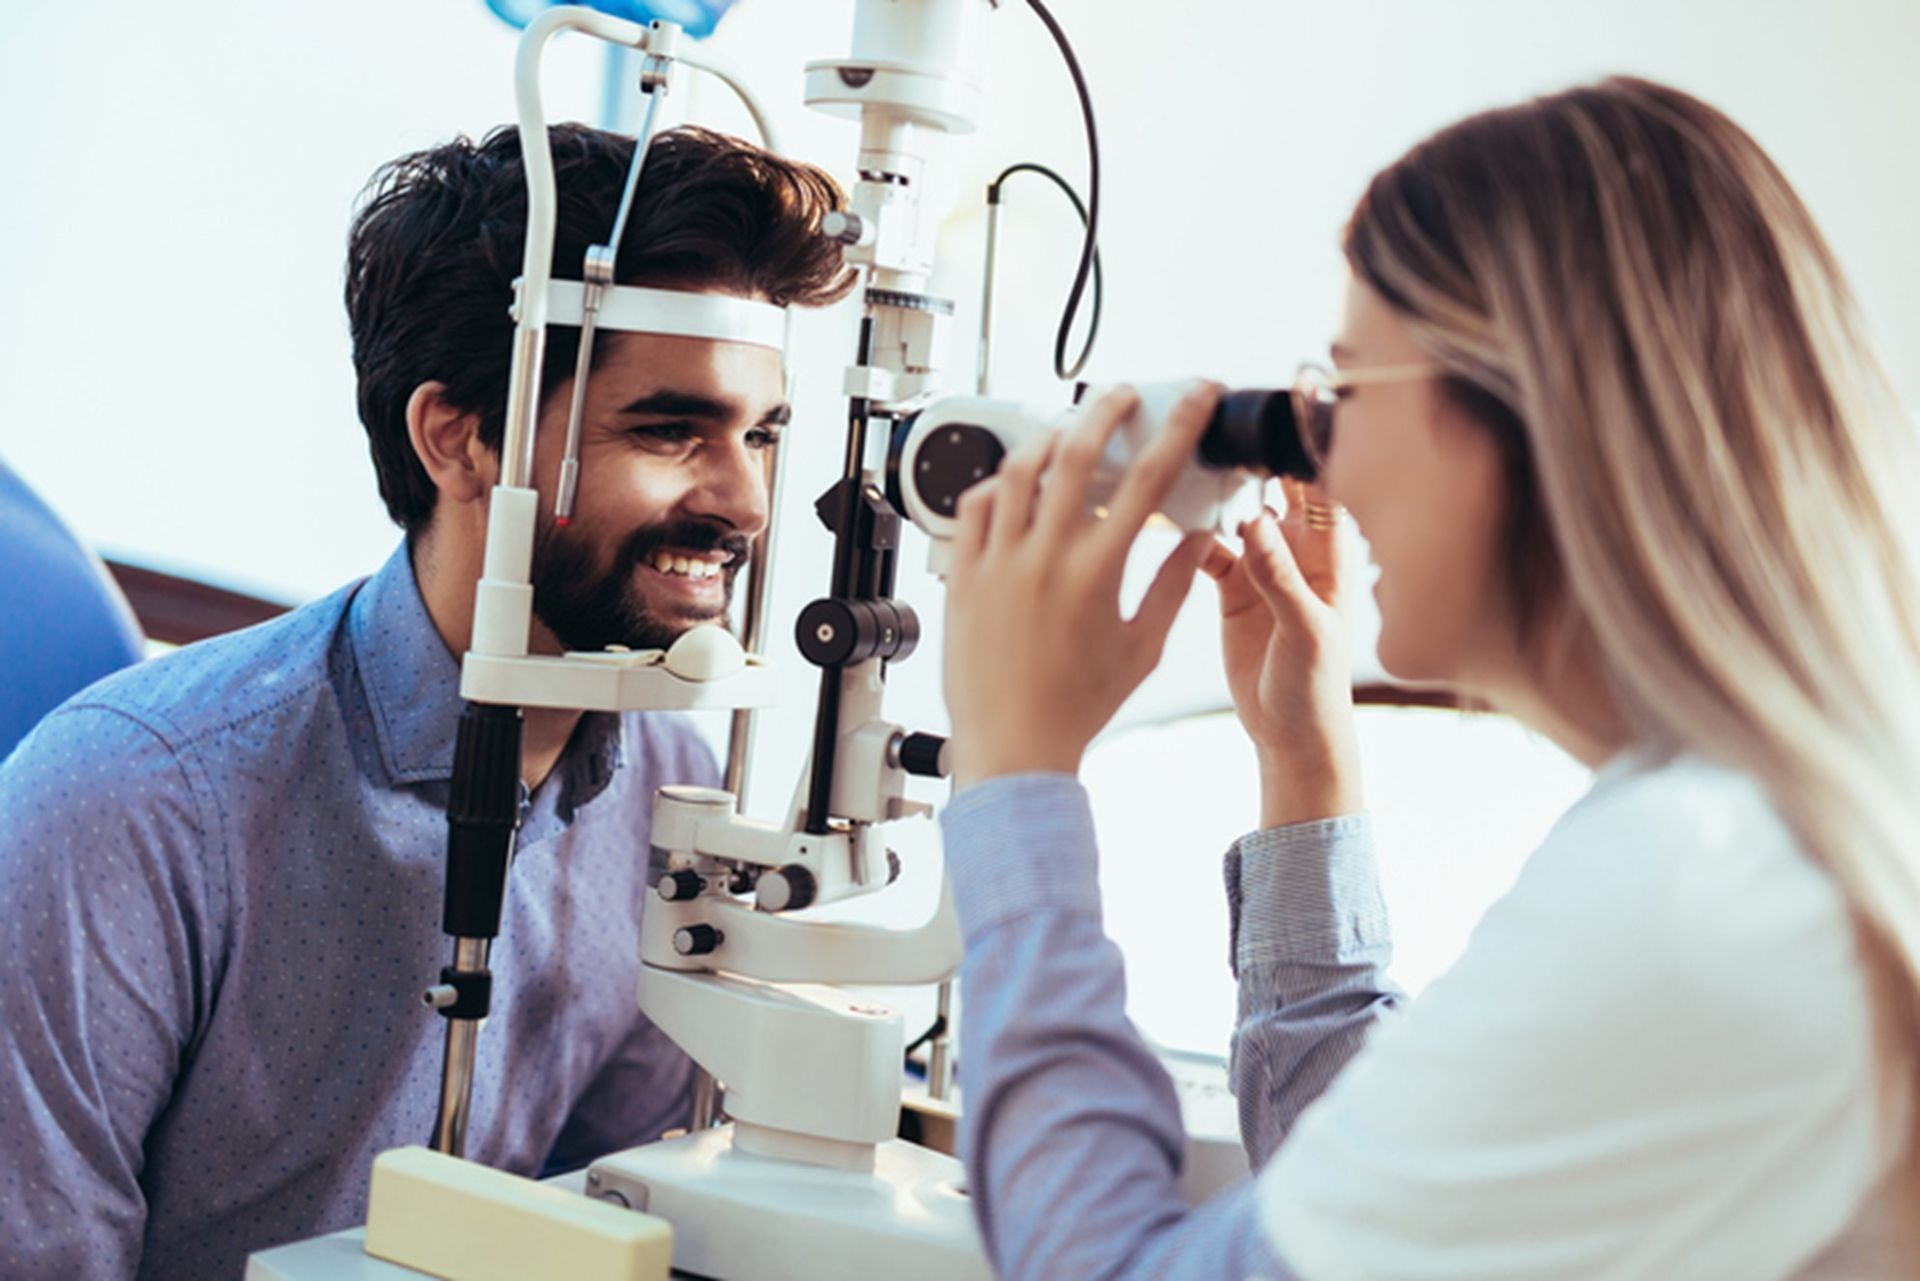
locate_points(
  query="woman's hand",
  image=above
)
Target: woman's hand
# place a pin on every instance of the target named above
(1285, 643)
(1038, 658)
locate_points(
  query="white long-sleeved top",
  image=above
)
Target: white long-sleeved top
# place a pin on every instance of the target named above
(1656, 1059)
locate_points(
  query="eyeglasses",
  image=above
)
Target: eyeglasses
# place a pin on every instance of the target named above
(1318, 391)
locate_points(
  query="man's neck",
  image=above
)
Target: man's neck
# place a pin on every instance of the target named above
(447, 576)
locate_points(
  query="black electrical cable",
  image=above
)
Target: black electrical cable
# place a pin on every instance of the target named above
(1087, 247)
(939, 1027)
(1060, 368)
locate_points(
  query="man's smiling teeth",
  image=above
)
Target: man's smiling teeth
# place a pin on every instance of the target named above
(687, 566)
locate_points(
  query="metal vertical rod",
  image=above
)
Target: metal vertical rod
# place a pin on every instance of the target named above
(739, 747)
(846, 577)
(940, 1054)
(456, 1075)
(986, 292)
(704, 1095)
(523, 409)
(846, 550)
(753, 627)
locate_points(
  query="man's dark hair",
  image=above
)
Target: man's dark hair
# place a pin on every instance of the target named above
(437, 244)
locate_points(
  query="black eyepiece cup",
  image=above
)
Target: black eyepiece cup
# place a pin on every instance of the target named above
(1256, 430)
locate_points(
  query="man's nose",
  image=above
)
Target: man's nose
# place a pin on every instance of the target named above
(732, 487)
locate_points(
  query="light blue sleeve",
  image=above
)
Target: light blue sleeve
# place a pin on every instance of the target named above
(112, 920)
(1071, 1132)
(1310, 947)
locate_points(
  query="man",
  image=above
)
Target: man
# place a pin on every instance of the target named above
(220, 892)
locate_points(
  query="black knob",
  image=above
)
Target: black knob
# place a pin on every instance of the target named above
(676, 887)
(920, 755)
(787, 889)
(696, 940)
(833, 632)
(461, 994)
(893, 867)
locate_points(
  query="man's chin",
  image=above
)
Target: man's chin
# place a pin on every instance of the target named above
(665, 626)
(672, 612)
(631, 619)
(685, 623)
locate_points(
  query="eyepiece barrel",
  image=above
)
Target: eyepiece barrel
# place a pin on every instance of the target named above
(1256, 430)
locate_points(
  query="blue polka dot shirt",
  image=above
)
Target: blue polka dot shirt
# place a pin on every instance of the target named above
(220, 901)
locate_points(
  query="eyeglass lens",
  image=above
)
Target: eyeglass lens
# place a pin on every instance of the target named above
(1313, 405)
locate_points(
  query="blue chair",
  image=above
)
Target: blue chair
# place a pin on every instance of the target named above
(63, 622)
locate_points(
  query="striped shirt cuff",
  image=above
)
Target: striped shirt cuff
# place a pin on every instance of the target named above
(1018, 844)
(1307, 892)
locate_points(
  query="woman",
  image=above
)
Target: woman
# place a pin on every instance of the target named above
(1629, 472)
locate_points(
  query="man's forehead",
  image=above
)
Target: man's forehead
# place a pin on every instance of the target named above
(693, 377)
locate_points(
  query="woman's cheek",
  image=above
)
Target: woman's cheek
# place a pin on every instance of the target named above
(1403, 636)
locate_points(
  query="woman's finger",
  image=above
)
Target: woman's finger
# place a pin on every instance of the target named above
(972, 516)
(1229, 573)
(1219, 561)
(1271, 569)
(1312, 531)
(1076, 456)
(1159, 465)
(1018, 478)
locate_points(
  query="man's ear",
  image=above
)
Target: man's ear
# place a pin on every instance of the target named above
(446, 440)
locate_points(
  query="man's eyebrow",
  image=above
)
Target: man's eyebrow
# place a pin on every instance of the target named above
(669, 403)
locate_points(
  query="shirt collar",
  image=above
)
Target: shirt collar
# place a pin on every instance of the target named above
(412, 687)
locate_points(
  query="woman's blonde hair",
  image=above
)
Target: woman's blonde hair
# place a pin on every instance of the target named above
(1712, 488)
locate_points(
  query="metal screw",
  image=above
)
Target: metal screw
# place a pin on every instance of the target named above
(846, 228)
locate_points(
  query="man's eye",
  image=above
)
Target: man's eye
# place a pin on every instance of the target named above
(763, 437)
(665, 433)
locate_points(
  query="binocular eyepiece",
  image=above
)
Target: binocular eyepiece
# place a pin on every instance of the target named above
(958, 441)
(1257, 431)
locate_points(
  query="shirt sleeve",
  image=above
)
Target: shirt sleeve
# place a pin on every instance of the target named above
(1310, 947)
(1071, 1133)
(112, 928)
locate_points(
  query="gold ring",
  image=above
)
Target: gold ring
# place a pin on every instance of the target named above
(1323, 515)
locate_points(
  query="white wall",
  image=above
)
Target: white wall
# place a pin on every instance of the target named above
(180, 178)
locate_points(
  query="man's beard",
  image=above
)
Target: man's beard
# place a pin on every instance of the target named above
(589, 608)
